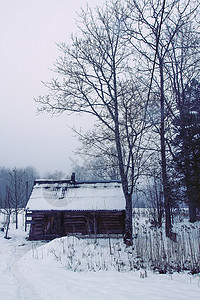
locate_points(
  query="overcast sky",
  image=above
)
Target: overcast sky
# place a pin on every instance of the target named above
(29, 30)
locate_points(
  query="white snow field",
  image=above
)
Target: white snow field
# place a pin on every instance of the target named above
(71, 268)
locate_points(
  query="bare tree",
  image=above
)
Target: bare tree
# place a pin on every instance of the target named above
(16, 186)
(97, 167)
(7, 210)
(153, 192)
(17, 191)
(153, 26)
(96, 79)
(20, 187)
(56, 175)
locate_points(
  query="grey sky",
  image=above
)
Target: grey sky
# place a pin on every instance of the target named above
(29, 31)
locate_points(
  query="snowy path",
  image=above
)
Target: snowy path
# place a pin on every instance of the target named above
(13, 285)
(25, 278)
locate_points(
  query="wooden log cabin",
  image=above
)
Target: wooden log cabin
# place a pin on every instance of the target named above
(67, 207)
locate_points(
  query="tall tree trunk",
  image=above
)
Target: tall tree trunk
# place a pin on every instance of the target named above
(128, 238)
(16, 218)
(7, 224)
(168, 225)
(192, 211)
(190, 193)
(16, 198)
(191, 201)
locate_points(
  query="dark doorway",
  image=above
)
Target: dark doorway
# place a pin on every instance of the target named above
(54, 225)
(92, 224)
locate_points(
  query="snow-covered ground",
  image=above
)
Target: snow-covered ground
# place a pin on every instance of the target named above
(62, 268)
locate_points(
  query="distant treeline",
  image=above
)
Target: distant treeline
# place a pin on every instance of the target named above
(15, 186)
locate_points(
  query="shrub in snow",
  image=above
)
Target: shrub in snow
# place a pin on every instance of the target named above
(151, 250)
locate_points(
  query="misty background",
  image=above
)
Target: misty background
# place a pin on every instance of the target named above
(29, 32)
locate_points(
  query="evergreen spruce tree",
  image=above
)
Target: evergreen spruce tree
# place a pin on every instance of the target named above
(187, 145)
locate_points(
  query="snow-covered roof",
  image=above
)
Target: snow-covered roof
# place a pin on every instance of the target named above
(65, 195)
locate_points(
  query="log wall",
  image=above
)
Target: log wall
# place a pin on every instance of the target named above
(47, 225)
